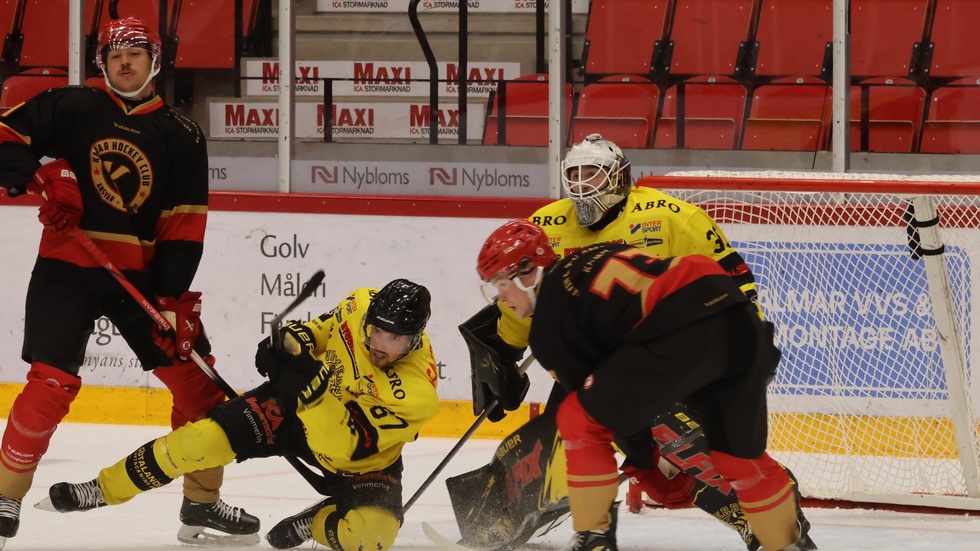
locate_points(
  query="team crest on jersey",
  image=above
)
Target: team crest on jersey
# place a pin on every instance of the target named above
(121, 173)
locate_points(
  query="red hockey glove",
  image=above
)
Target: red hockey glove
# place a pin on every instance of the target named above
(62, 207)
(184, 315)
(671, 493)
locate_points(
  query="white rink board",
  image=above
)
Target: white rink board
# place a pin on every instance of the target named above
(246, 253)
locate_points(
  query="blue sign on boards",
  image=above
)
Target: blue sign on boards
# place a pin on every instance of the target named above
(855, 319)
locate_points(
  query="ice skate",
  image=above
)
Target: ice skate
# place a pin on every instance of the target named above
(593, 540)
(202, 520)
(597, 540)
(297, 529)
(66, 497)
(802, 544)
(9, 518)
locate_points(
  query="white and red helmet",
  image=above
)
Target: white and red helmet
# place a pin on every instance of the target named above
(129, 32)
(517, 247)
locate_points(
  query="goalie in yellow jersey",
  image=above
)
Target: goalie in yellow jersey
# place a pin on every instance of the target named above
(602, 206)
(346, 391)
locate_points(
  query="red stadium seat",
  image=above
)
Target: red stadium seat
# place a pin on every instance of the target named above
(713, 109)
(886, 36)
(623, 109)
(953, 122)
(956, 43)
(707, 36)
(97, 81)
(794, 37)
(45, 30)
(24, 86)
(207, 35)
(206, 31)
(523, 103)
(789, 114)
(622, 34)
(894, 115)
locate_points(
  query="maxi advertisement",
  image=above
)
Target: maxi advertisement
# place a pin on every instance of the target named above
(874, 317)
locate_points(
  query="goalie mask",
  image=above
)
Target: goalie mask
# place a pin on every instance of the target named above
(515, 249)
(596, 177)
(400, 310)
(129, 32)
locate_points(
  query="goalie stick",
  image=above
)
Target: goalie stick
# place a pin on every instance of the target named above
(518, 495)
(317, 481)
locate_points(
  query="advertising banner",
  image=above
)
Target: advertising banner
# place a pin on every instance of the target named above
(871, 319)
(378, 78)
(473, 6)
(350, 120)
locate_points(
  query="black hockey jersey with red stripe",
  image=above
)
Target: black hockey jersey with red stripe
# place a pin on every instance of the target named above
(142, 173)
(609, 295)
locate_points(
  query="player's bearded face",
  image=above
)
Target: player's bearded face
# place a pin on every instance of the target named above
(128, 68)
(385, 347)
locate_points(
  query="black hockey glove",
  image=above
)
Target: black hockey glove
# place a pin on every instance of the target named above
(638, 449)
(493, 366)
(292, 369)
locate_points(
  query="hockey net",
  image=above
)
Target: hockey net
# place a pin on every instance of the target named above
(873, 303)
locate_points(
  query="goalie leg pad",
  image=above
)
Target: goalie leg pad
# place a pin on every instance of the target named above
(194, 392)
(766, 495)
(34, 416)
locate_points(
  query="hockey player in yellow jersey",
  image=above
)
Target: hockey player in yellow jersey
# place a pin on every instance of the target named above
(346, 391)
(603, 206)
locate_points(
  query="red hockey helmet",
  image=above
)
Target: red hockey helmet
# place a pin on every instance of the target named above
(129, 32)
(517, 247)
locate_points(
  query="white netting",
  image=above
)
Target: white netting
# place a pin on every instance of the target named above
(868, 404)
(799, 175)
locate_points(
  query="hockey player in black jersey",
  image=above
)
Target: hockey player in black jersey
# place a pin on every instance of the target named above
(628, 335)
(602, 206)
(131, 174)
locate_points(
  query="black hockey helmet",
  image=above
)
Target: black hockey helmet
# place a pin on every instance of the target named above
(401, 307)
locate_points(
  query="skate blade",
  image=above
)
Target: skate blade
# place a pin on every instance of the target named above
(197, 535)
(44, 505)
(3, 541)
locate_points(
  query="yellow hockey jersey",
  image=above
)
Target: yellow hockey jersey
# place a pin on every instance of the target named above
(367, 414)
(651, 220)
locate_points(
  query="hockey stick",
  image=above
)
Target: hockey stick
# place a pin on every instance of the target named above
(308, 289)
(99, 256)
(466, 436)
(317, 481)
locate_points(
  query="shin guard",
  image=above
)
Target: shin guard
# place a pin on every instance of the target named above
(194, 395)
(766, 495)
(200, 447)
(593, 476)
(373, 528)
(35, 415)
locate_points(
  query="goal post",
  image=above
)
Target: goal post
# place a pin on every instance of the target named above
(873, 284)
